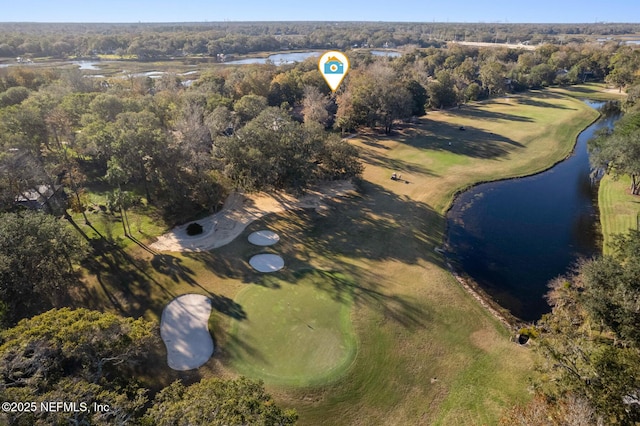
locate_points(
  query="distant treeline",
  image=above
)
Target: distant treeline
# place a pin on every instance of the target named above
(151, 41)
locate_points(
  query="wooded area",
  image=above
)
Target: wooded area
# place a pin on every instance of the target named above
(153, 41)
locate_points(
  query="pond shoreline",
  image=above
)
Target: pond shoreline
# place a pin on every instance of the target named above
(501, 313)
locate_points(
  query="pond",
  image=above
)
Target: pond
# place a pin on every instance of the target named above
(87, 65)
(512, 237)
(289, 58)
(278, 58)
(390, 53)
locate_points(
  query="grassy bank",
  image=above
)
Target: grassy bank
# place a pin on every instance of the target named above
(426, 351)
(619, 210)
(591, 91)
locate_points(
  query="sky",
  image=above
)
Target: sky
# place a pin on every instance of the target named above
(537, 11)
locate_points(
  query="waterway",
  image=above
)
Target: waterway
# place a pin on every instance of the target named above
(289, 58)
(512, 237)
(278, 58)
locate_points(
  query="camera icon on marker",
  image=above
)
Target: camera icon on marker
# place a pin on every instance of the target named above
(333, 66)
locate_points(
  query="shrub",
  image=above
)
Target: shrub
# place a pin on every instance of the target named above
(194, 229)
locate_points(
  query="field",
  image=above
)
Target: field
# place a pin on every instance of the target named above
(591, 91)
(403, 343)
(619, 210)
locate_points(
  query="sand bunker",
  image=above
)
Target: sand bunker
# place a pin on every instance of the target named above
(240, 210)
(264, 238)
(267, 262)
(185, 331)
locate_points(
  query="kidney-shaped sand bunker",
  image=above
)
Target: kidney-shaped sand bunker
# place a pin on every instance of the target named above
(185, 331)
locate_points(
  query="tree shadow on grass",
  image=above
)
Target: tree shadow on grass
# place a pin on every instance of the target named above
(377, 225)
(481, 113)
(173, 268)
(374, 143)
(237, 349)
(229, 264)
(393, 164)
(541, 104)
(128, 282)
(467, 141)
(393, 306)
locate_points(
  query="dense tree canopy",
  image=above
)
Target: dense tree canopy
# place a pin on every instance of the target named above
(37, 257)
(151, 41)
(617, 151)
(75, 355)
(274, 152)
(375, 96)
(218, 402)
(590, 341)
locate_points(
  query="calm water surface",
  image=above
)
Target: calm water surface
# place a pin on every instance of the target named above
(289, 58)
(390, 53)
(279, 58)
(512, 237)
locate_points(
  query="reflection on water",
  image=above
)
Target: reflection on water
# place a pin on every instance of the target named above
(390, 53)
(289, 58)
(86, 65)
(512, 237)
(278, 59)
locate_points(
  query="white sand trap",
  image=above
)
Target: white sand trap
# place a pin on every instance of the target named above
(264, 238)
(185, 331)
(240, 210)
(267, 262)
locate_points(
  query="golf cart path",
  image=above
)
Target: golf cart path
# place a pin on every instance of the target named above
(239, 211)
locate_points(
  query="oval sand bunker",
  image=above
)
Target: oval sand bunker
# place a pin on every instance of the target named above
(264, 238)
(185, 331)
(266, 262)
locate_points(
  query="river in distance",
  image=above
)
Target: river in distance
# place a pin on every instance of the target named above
(513, 236)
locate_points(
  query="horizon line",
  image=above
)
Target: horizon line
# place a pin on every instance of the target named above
(228, 21)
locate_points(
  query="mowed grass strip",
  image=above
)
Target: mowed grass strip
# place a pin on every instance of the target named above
(295, 333)
(591, 91)
(619, 209)
(452, 150)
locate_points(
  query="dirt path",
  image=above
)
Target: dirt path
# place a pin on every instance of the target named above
(239, 211)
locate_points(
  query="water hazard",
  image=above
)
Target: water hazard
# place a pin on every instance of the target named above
(512, 237)
(290, 58)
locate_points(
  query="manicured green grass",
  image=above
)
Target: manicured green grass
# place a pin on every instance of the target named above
(295, 332)
(591, 91)
(143, 220)
(619, 210)
(505, 137)
(427, 352)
